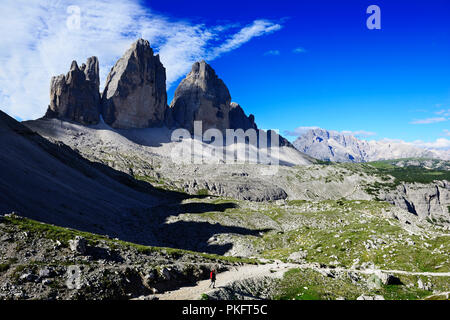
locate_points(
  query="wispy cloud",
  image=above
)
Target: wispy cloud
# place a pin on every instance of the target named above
(440, 143)
(447, 132)
(36, 43)
(299, 50)
(443, 112)
(429, 120)
(297, 132)
(272, 53)
(256, 29)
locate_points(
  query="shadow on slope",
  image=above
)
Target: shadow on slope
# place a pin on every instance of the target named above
(195, 236)
(50, 182)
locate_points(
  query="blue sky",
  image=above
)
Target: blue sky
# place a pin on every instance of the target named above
(346, 77)
(292, 64)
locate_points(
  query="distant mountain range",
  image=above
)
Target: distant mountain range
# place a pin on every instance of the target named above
(336, 146)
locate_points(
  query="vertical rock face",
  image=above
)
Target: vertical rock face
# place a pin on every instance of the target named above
(238, 119)
(424, 200)
(201, 96)
(135, 92)
(75, 96)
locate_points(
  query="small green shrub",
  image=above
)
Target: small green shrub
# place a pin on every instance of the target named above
(4, 267)
(202, 192)
(204, 296)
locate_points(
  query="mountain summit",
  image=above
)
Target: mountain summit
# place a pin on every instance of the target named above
(203, 96)
(135, 93)
(336, 146)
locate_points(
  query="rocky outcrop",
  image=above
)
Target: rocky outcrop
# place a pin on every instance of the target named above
(75, 96)
(201, 96)
(240, 187)
(135, 92)
(78, 245)
(107, 270)
(238, 119)
(427, 201)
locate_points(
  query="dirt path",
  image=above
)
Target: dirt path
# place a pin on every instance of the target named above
(372, 271)
(274, 270)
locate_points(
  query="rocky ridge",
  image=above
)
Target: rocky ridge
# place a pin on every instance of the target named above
(335, 146)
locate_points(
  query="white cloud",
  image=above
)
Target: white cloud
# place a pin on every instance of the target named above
(429, 120)
(299, 50)
(37, 44)
(272, 53)
(440, 143)
(447, 132)
(256, 29)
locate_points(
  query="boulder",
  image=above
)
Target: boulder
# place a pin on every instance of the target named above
(388, 279)
(135, 91)
(374, 282)
(78, 245)
(46, 272)
(365, 297)
(28, 277)
(298, 256)
(75, 96)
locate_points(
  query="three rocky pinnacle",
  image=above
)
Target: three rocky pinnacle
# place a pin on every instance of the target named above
(135, 95)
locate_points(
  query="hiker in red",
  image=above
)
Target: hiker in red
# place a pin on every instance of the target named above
(212, 276)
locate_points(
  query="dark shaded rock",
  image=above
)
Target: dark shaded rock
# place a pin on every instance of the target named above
(135, 92)
(238, 119)
(201, 96)
(75, 96)
(78, 245)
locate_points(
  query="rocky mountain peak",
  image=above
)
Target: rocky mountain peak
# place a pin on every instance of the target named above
(201, 96)
(91, 70)
(74, 66)
(75, 96)
(135, 95)
(135, 91)
(342, 147)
